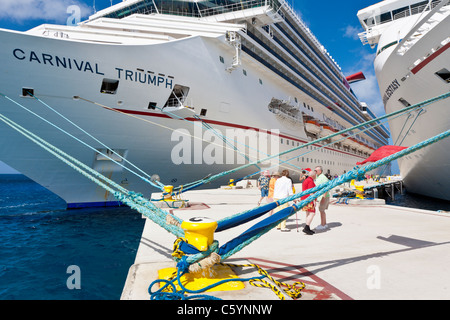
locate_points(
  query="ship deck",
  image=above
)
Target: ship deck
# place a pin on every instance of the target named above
(370, 252)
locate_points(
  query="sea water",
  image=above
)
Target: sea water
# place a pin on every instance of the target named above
(41, 242)
(417, 201)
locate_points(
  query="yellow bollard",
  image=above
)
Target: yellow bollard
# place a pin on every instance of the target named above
(199, 232)
(359, 190)
(231, 183)
(168, 190)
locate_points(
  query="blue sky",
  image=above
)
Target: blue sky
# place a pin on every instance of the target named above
(334, 23)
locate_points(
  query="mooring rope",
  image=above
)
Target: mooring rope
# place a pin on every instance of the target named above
(79, 140)
(401, 111)
(130, 198)
(263, 227)
(172, 223)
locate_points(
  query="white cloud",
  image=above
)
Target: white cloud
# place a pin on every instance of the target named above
(367, 90)
(49, 10)
(352, 32)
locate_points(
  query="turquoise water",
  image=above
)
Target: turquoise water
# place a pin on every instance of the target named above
(39, 240)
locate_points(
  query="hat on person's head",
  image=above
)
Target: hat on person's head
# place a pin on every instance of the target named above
(276, 173)
(307, 169)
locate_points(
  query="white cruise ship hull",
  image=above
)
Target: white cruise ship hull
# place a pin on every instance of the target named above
(67, 75)
(410, 78)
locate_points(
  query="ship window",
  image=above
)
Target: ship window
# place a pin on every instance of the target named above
(385, 17)
(244, 72)
(109, 86)
(401, 13)
(221, 59)
(260, 81)
(177, 96)
(370, 22)
(444, 74)
(404, 102)
(203, 112)
(152, 105)
(418, 7)
(27, 92)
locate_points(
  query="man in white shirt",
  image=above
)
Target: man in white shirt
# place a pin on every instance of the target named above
(283, 189)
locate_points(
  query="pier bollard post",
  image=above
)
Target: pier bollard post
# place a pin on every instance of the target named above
(199, 232)
(168, 191)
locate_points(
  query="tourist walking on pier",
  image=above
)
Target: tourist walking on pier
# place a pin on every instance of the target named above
(283, 189)
(323, 200)
(263, 185)
(274, 178)
(310, 208)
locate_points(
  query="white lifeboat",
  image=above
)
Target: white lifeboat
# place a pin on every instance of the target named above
(326, 131)
(361, 146)
(330, 131)
(312, 126)
(366, 148)
(347, 141)
(354, 143)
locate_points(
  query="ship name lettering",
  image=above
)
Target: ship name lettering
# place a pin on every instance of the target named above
(390, 91)
(144, 78)
(57, 61)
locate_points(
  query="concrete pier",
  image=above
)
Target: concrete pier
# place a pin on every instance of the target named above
(369, 252)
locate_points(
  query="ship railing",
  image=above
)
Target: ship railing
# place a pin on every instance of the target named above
(302, 24)
(239, 6)
(415, 10)
(424, 26)
(278, 110)
(305, 28)
(173, 102)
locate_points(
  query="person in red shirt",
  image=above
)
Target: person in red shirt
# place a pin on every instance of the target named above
(310, 208)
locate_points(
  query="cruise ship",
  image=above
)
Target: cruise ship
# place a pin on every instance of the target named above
(176, 91)
(412, 64)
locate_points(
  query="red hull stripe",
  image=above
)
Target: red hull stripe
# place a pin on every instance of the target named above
(225, 124)
(422, 65)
